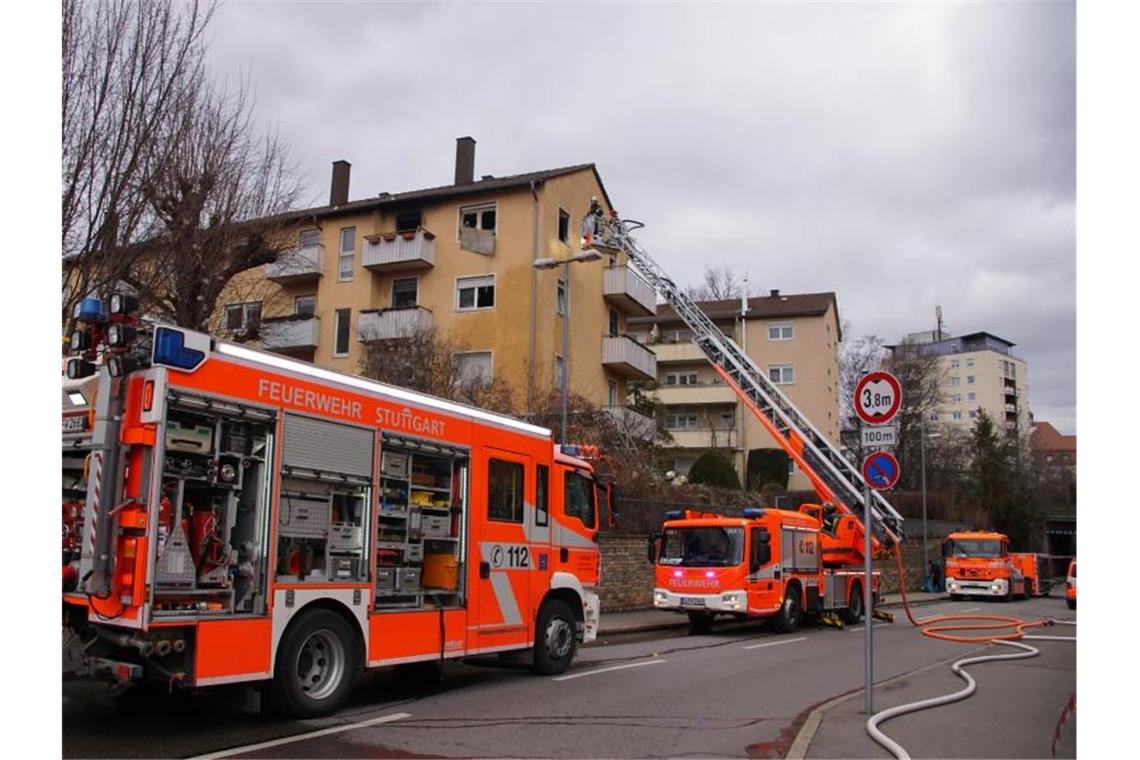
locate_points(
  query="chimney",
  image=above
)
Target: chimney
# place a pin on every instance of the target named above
(338, 194)
(464, 160)
(774, 292)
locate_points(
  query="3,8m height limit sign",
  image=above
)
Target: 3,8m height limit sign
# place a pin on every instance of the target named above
(878, 396)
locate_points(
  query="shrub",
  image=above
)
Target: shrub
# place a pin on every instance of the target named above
(714, 469)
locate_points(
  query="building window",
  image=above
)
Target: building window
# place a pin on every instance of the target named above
(478, 218)
(475, 292)
(347, 252)
(973, 414)
(681, 419)
(728, 420)
(681, 378)
(957, 398)
(405, 292)
(560, 300)
(955, 381)
(343, 318)
(954, 364)
(969, 379)
(956, 415)
(780, 331)
(971, 396)
(563, 226)
(613, 323)
(782, 374)
(409, 220)
(612, 393)
(474, 367)
(559, 371)
(309, 239)
(505, 491)
(933, 417)
(969, 362)
(243, 316)
(305, 306)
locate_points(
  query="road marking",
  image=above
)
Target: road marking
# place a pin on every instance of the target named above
(302, 737)
(775, 643)
(970, 609)
(607, 670)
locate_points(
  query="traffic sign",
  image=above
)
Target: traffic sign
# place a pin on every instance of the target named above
(881, 470)
(878, 396)
(880, 435)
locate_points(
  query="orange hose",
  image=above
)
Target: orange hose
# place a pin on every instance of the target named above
(989, 622)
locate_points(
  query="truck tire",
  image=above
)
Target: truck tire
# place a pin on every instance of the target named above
(555, 641)
(1028, 592)
(854, 610)
(700, 622)
(788, 618)
(317, 664)
(1072, 603)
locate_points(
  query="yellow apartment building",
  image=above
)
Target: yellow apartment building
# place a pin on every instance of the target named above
(794, 338)
(458, 257)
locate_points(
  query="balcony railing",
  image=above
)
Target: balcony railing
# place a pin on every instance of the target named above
(395, 251)
(625, 356)
(634, 423)
(290, 333)
(393, 324)
(710, 393)
(693, 438)
(629, 291)
(296, 265)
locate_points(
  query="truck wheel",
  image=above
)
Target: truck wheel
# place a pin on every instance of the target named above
(1028, 590)
(854, 611)
(1072, 603)
(317, 663)
(700, 622)
(788, 619)
(555, 642)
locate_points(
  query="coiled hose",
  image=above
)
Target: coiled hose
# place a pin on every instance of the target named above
(935, 627)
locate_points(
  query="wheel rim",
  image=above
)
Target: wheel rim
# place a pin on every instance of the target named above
(558, 637)
(321, 664)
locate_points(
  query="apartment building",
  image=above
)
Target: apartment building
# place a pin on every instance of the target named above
(458, 257)
(979, 371)
(794, 338)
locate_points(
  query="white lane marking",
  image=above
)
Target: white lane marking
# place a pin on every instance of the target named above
(775, 643)
(607, 670)
(302, 737)
(970, 609)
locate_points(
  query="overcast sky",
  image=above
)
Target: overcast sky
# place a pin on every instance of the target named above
(901, 155)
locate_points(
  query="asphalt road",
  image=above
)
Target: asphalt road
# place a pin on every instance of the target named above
(739, 691)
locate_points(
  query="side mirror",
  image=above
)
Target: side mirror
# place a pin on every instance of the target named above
(653, 547)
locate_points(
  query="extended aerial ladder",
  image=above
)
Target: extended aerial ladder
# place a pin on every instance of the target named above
(833, 477)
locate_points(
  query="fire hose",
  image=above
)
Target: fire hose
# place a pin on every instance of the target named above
(935, 627)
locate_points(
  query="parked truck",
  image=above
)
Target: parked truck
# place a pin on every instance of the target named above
(979, 563)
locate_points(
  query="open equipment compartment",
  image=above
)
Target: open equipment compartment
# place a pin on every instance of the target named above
(213, 510)
(421, 525)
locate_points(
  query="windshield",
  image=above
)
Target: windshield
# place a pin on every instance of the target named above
(703, 547)
(975, 548)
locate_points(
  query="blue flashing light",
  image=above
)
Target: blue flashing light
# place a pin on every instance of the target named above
(90, 310)
(170, 349)
(571, 450)
(753, 513)
(674, 514)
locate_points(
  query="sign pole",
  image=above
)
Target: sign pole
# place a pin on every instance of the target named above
(868, 600)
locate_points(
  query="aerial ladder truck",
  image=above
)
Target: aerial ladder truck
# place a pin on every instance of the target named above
(768, 563)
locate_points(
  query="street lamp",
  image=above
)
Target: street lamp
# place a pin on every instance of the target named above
(586, 256)
(922, 449)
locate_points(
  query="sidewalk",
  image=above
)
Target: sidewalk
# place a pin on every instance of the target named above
(636, 621)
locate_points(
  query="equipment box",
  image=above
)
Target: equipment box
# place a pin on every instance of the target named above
(344, 568)
(304, 516)
(386, 578)
(408, 578)
(441, 571)
(346, 538)
(197, 439)
(435, 526)
(394, 465)
(414, 553)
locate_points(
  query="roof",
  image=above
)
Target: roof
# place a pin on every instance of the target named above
(759, 307)
(1045, 437)
(444, 192)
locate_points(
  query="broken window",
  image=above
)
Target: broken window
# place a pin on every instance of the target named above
(409, 220)
(477, 228)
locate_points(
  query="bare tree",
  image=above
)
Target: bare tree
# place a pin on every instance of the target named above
(718, 284)
(127, 68)
(856, 358)
(921, 376)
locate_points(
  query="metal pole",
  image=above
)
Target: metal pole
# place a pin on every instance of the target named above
(565, 351)
(922, 448)
(868, 601)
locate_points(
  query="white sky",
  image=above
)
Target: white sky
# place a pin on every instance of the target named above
(902, 155)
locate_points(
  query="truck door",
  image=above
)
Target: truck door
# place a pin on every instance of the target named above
(501, 555)
(575, 534)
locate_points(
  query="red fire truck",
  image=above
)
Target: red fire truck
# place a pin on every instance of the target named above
(233, 515)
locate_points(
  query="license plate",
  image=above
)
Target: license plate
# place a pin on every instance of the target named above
(692, 601)
(75, 423)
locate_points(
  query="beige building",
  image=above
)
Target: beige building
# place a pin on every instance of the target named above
(793, 338)
(458, 257)
(978, 371)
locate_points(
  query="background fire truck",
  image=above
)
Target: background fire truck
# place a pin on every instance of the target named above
(232, 515)
(979, 563)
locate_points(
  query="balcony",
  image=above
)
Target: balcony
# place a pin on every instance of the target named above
(637, 425)
(290, 333)
(296, 265)
(628, 291)
(705, 393)
(393, 324)
(668, 353)
(624, 356)
(705, 439)
(399, 251)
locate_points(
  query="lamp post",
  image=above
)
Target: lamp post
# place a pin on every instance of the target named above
(585, 256)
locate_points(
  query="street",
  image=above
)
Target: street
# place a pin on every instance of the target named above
(738, 691)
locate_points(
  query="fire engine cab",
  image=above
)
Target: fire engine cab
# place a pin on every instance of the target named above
(979, 563)
(233, 515)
